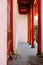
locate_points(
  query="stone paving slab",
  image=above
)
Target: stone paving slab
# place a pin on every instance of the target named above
(36, 60)
(30, 60)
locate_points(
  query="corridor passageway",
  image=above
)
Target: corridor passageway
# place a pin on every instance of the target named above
(19, 20)
(25, 18)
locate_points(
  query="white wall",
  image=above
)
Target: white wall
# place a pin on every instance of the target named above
(22, 28)
(3, 32)
(19, 24)
(42, 24)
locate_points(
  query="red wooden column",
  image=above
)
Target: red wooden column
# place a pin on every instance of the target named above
(32, 25)
(11, 25)
(39, 27)
(29, 27)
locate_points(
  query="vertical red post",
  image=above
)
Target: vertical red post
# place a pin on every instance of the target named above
(39, 27)
(11, 25)
(29, 27)
(32, 25)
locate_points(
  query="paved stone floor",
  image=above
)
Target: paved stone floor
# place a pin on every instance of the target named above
(26, 56)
